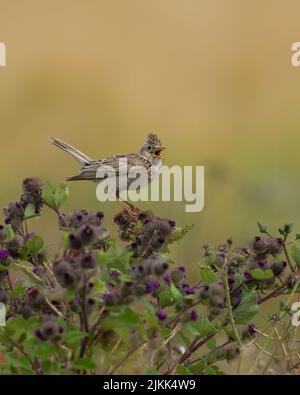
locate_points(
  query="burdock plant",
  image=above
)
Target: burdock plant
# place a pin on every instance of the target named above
(102, 307)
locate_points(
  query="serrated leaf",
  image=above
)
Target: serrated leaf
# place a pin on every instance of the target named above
(247, 308)
(259, 274)
(207, 274)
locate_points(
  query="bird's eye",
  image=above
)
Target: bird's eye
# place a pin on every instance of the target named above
(149, 147)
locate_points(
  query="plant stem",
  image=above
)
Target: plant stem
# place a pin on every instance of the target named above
(130, 352)
(286, 253)
(196, 344)
(228, 302)
(21, 349)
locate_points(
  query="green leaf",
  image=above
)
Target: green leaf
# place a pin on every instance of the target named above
(211, 344)
(182, 370)
(61, 195)
(72, 338)
(238, 278)
(115, 258)
(259, 274)
(85, 364)
(35, 243)
(99, 287)
(262, 228)
(166, 298)
(176, 294)
(247, 308)
(55, 198)
(123, 322)
(213, 370)
(149, 306)
(180, 232)
(295, 252)
(286, 229)
(65, 240)
(48, 194)
(29, 211)
(10, 232)
(207, 274)
(70, 293)
(125, 277)
(17, 291)
(202, 327)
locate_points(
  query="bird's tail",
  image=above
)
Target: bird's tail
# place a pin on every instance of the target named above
(79, 156)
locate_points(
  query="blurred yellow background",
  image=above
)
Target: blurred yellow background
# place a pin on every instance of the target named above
(213, 78)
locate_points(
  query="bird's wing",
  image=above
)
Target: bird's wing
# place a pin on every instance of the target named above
(120, 164)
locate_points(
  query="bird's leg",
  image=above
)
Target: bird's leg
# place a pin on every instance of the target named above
(130, 208)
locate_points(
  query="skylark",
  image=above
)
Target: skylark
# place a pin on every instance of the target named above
(148, 158)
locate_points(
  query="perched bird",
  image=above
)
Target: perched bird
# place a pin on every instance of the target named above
(148, 158)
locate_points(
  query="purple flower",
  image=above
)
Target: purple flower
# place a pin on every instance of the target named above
(167, 279)
(114, 274)
(189, 291)
(152, 286)
(109, 299)
(162, 315)
(252, 329)
(4, 254)
(128, 283)
(230, 280)
(38, 271)
(194, 315)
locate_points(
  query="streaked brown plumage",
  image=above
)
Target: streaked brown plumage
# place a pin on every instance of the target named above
(148, 157)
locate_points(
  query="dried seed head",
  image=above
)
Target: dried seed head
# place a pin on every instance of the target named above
(89, 261)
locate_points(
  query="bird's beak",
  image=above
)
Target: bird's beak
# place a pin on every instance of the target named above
(158, 151)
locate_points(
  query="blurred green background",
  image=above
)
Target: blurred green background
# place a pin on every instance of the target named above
(213, 78)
